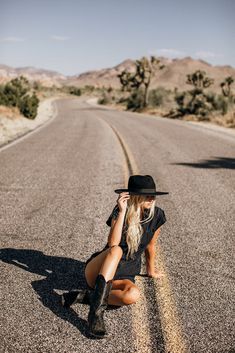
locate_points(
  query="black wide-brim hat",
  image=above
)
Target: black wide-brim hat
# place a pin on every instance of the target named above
(141, 185)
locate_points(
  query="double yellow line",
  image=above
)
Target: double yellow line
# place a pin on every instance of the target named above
(171, 328)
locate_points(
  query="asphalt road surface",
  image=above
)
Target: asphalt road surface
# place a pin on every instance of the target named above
(56, 192)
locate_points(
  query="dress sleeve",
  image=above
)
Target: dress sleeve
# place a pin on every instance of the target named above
(113, 214)
(160, 219)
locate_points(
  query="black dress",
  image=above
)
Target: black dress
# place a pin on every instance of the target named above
(129, 268)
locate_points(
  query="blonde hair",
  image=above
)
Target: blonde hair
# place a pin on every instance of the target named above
(133, 220)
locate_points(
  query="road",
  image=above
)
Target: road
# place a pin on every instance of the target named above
(56, 192)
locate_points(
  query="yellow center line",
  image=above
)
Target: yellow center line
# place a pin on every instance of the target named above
(140, 322)
(172, 329)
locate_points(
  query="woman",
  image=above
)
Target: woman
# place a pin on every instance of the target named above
(110, 273)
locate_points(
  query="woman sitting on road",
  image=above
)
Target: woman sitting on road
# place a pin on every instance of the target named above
(110, 273)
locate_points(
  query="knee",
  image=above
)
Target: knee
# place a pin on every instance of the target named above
(116, 250)
(131, 295)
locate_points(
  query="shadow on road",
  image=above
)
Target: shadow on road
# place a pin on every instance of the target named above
(217, 162)
(60, 273)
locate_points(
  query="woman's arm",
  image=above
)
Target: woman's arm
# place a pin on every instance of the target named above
(150, 254)
(115, 233)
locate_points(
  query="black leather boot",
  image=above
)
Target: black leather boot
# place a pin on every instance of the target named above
(99, 302)
(76, 296)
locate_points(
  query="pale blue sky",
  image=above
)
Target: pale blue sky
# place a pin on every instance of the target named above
(74, 36)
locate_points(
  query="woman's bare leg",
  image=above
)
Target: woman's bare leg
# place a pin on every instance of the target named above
(123, 292)
(105, 263)
(111, 261)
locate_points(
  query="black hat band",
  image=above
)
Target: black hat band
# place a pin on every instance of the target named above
(142, 190)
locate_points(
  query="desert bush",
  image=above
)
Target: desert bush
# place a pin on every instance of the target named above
(212, 99)
(74, 90)
(28, 106)
(194, 102)
(14, 90)
(3, 97)
(226, 103)
(70, 90)
(105, 99)
(88, 88)
(15, 93)
(202, 105)
(37, 86)
(135, 101)
(221, 103)
(157, 96)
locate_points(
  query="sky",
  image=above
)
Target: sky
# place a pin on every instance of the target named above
(75, 36)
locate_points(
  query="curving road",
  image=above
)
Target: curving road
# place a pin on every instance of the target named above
(56, 192)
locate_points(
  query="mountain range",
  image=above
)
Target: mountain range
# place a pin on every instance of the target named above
(172, 76)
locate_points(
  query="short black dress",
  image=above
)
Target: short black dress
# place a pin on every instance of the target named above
(129, 268)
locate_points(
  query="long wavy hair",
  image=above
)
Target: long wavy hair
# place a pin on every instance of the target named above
(134, 220)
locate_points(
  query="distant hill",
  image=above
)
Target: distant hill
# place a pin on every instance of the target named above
(173, 75)
(46, 77)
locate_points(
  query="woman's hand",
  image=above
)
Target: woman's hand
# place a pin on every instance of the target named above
(122, 201)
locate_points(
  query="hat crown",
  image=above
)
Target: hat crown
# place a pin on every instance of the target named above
(141, 182)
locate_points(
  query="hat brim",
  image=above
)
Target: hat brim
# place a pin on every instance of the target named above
(118, 191)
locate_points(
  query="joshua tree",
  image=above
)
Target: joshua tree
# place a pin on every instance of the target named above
(194, 101)
(199, 80)
(145, 69)
(124, 77)
(225, 86)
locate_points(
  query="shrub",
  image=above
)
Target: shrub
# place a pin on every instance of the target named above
(105, 99)
(135, 101)
(194, 102)
(28, 106)
(3, 97)
(222, 104)
(15, 94)
(88, 88)
(14, 90)
(37, 86)
(157, 96)
(74, 90)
